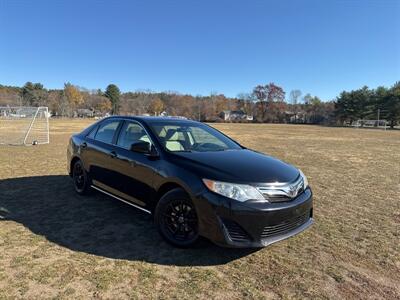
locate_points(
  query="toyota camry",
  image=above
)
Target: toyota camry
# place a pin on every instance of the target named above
(193, 179)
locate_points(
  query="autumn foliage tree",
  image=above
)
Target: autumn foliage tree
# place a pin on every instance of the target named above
(156, 107)
(73, 95)
(270, 99)
(97, 102)
(103, 105)
(266, 103)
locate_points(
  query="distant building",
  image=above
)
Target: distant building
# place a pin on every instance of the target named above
(85, 113)
(235, 115)
(296, 117)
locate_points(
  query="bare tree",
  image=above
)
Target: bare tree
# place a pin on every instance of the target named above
(270, 97)
(246, 102)
(294, 100)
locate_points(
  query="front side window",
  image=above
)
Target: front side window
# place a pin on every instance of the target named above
(106, 131)
(92, 133)
(131, 133)
(190, 137)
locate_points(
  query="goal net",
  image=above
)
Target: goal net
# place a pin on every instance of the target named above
(24, 125)
(370, 124)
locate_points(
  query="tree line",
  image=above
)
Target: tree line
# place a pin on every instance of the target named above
(377, 104)
(266, 103)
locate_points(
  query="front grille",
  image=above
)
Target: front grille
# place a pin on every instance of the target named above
(286, 226)
(277, 198)
(281, 198)
(282, 192)
(235, 232)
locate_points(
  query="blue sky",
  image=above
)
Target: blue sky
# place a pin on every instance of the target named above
(198, 47)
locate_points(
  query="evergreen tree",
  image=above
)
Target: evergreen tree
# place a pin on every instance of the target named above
(113, 94)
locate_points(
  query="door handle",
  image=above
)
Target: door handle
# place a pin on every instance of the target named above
(113, 154)
(84, 145)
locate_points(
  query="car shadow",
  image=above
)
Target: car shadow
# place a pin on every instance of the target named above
(97, 224)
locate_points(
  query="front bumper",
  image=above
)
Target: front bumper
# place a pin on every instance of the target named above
(231, 223)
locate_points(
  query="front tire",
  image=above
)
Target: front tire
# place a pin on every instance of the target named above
(80, 178)
(176, 219)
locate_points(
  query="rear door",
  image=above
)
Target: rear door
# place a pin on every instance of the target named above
(98, 153)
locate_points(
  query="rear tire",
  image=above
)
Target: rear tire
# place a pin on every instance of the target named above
(80, 178)
(176, 219)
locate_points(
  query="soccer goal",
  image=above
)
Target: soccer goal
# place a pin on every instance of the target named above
(370, 124)
(24, 125)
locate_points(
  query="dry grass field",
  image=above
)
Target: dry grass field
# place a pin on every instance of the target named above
(55, 244)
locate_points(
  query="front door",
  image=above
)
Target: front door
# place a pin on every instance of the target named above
(135, 170)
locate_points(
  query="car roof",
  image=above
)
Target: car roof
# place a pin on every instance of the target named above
(151, 120)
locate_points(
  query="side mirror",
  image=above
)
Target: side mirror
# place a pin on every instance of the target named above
(145, 148)
(141, 147)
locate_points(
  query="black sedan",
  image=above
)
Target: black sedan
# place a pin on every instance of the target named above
(195, 180)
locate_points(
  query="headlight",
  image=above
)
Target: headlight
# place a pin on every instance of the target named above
(305, 181)
(239, 192)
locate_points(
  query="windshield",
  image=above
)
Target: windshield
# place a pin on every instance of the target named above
(188, 137)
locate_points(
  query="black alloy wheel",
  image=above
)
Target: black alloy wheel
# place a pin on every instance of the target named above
(80, 177)
(176, 219)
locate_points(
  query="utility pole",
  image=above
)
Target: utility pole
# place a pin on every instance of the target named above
(379, 112)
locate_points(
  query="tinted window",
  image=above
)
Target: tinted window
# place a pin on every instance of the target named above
(92, 133)
(131, 133)
(106, 131)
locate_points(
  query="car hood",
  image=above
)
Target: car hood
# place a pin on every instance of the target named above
(239, 166)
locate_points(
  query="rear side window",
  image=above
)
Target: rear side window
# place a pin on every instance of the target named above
(106, 131)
